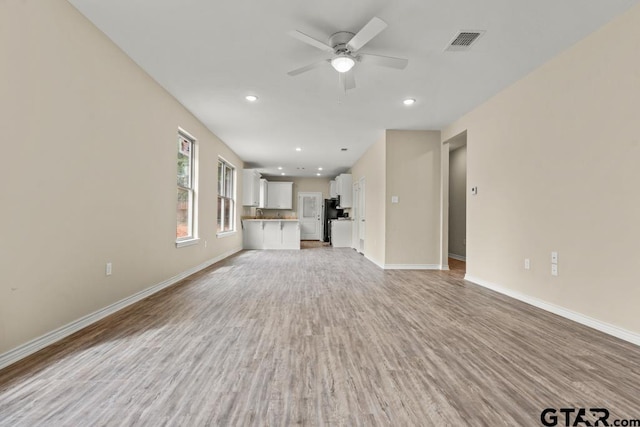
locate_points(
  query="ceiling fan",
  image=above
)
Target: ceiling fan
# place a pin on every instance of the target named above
(344, 47)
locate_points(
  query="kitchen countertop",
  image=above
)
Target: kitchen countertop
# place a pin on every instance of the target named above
(270, 219)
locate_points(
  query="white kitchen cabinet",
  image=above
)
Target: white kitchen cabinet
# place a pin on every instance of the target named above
(290, 235)
(270, 234)
(279, 195)
(332, 189)
(341, 233)
(344, 188)
(263, 193)
(252, 235)
(250, 187)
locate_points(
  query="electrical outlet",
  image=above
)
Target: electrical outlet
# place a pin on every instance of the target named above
(527, 264)
(554, 269)
(205, 243)
(108, 269)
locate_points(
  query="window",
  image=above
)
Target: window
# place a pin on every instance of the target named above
(185, 227)
(226, 197)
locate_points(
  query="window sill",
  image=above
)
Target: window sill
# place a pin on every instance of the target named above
(225, 234)
(190, 242)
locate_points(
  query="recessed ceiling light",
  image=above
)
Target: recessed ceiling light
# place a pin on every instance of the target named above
(282, 173)
(251, 98)
(279, 168)
(409, 101)
(298, 149)
(319, 174)
(319, 169)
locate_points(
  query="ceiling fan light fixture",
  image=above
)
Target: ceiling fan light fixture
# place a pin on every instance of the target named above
(342, 63)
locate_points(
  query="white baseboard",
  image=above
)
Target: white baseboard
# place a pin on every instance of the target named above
(408, 266)
(607, 328)
(412, 267)
(374, 261)
(49, 338)
(458, 257)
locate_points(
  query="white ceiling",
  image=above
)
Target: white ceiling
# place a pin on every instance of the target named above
(211, 53)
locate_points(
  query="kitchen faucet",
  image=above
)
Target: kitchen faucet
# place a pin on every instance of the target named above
(259, 213)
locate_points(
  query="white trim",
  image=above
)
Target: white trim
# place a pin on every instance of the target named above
(374, 261)
(186, 134)
(49, 338)
(412, 267)
(187, 242)
(408, 266)
(225, 234)
(458, 257)
(599, 325)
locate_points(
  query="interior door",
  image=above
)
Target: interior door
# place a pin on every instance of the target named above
(309, 214)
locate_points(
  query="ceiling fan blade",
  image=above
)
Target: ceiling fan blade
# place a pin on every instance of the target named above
(307, 67)
(383, 61)
(369, 31)
(310, 41)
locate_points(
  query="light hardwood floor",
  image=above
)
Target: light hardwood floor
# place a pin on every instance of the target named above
(321, 336)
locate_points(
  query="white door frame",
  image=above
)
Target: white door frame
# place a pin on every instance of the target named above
(319, 213)
(355, 242)
(444, 201)
(362, 213)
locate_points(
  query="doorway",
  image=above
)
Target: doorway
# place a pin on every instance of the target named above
(358, 215)
(455, 151)
(309, 215)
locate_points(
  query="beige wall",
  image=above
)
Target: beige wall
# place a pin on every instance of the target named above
(372, 167)
(413, 175)
(90, 173)
(555, 158)
(458, 201)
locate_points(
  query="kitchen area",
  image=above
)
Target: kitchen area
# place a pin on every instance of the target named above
(279, 213)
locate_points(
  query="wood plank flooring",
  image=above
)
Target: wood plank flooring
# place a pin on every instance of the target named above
(321, 336)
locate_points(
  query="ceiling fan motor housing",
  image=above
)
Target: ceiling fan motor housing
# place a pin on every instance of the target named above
(338, 41)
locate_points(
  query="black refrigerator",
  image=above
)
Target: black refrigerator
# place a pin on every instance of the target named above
(330, 212)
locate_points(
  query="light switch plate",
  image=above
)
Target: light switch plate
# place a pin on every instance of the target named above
(554, 257)
(394, 199)
(474, 190)
(554, 269)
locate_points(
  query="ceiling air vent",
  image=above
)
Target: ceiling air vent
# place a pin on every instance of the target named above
(463, 40)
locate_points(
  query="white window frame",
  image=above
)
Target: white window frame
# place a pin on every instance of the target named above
(192, 238)
(233, 198)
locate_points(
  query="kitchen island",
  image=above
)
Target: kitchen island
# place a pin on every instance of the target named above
(268, 233)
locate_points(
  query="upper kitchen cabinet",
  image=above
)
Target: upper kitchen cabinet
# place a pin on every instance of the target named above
(279, 195)
(263, 193)
(250, 187)
(344, 189)
(332, 189)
